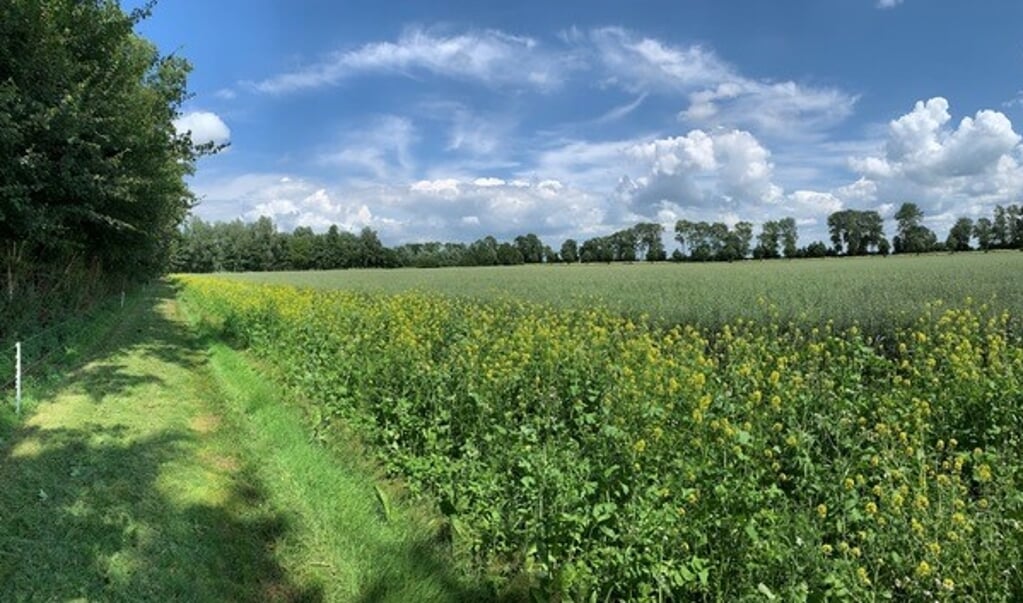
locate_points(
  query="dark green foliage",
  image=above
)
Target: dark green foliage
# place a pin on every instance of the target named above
(530, 248)
(237, 246)
(1007, 228)
(570, 251)
(913, 237)
(982, 230)
(91, 168)
(959, 236)
(855, 232)
(714, 242)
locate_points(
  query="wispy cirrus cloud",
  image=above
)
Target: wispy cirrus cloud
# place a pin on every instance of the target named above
(382, 150)
(643, 64)
(489, 57)
(718, 93)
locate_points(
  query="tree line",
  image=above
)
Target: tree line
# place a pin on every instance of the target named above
(258, 246)
(92, 170)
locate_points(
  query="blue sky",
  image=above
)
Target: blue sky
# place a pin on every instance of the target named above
(453, 120)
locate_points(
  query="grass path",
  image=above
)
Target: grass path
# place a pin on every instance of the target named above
(166, 469)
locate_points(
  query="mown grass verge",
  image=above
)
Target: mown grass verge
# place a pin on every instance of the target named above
(161, 467)
(368, 545)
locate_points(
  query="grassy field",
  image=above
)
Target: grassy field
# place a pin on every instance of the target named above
(875, 292)
(164, 467)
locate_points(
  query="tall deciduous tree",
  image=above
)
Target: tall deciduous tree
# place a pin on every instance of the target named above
(789, 237)
(570, 251)
(959, 235)
(912, 237)
(768, 241)
(530, 247)
(92, 170)
(855, 232)
(982, 230)
(651, 244)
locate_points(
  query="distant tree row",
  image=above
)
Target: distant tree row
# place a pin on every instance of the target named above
(1003, 230)
(258, 246)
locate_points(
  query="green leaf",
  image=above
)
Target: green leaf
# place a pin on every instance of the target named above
(764, 590)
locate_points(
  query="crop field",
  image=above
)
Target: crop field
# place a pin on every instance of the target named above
(580, 453)
(877, 293)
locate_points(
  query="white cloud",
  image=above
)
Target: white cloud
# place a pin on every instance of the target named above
(783, 108)
(443, 209)
(590, 165)
(226, 94)
(204, 126)
(490, 57)
(948, 169)
(288, 201)
(383, 149)
(473, 133)
(644, 64)
(710, 171)
(923, 149)
(718, 94)
(859, 192)
(888, 3)
(466, 209)
(446, 187)
(621, 111)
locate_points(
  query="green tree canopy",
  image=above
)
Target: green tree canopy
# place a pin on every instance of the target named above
(92, 171)
(959, 235)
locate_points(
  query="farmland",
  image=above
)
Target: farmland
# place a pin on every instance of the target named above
(726, 448)
(873, 292)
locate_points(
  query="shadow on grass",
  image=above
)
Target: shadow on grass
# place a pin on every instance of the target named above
(83, 515)
(102, 380)
(429, 568)
(83, 512)
(87, 510)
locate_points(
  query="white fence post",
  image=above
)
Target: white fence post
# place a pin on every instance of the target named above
(17, 377)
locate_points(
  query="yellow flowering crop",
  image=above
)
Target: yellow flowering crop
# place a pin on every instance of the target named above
(594, 456)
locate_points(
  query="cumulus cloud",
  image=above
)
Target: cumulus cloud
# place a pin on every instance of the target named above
(290, 202)
(468, 208)
(489, 57)
(204, 127)
(446, 187)
(948, 169)
(921, 147)
(718, 170)
(454, 209)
